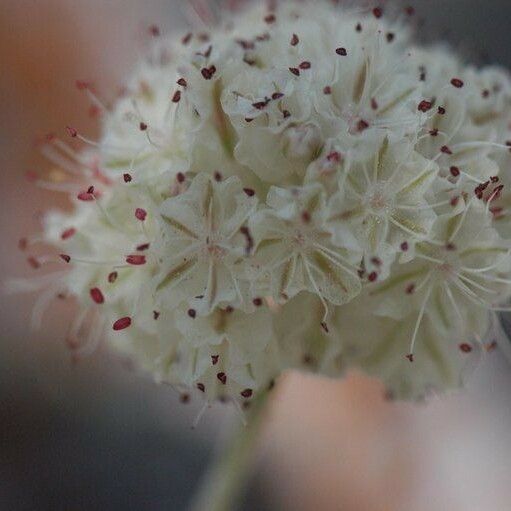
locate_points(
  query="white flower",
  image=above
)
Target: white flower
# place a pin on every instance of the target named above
(203, 240)
(295, 252)
(302, 189)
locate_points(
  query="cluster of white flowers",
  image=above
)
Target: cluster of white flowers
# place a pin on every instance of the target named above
(302, 188)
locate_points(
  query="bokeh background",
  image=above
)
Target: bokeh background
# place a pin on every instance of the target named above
(97, 435)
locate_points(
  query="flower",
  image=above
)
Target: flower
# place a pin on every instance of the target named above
(303, 188)
(203, 240)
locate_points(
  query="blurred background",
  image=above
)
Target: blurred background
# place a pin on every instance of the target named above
(97, 435)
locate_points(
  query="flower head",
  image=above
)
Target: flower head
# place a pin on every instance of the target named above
(302, 189)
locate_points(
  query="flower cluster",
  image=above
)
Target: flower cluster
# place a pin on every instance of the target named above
(300, 189)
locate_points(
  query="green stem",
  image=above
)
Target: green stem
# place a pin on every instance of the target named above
(226, 479)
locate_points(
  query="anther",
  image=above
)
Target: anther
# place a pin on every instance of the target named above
(456, 82)
(122, 323)
(425, 106)
(97, 295)
(68, 233)
(466, 348)
(140, 214)
(136, 260)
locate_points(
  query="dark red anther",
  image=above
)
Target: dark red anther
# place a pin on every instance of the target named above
(249, 191)
(140, 214)
(136, 260)
(286, 114)
(217, 176)
(324, 326)
(184, 398)
(122, 323)
(425, 106)
(176, 98)
(306, 217)
(485, 94)
(154, 30)
(247, 393)
(410, 357)
(295, 71)
(142, 126)
(374, 104)
(156, 315)
(85, 196)
(97, 295)
(362, 125)
(260, 105)
(390, 37)
(127, 178)
(466, 348)
(214, 359)
(445, 149)
(455, 171)
(143, 247)
(373, 277)
(358, 27)
(257, 302)
(341, 51)
(496, 193)
(206, 73)
(433, 132)
(83, 85)
(201, 387)
(451, 247)
(33, 262)
(327, 90)
(456, 82)
(334, 157)
(441, 110)
(180, 177)
(222, 377)
(494, 179)
(112, 277)
(192, 313)
(22, 244)
(404, 246)
(68, 233)
(294, 40)
(182, 82)
(187, 38)
(277, 95)
(377, 12)
(376, 261)
(410, 289)
(72, 131)
(305, 65)
(270, 18)
(66, 258)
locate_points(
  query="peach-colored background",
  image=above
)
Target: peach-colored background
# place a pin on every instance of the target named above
(327, 445)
